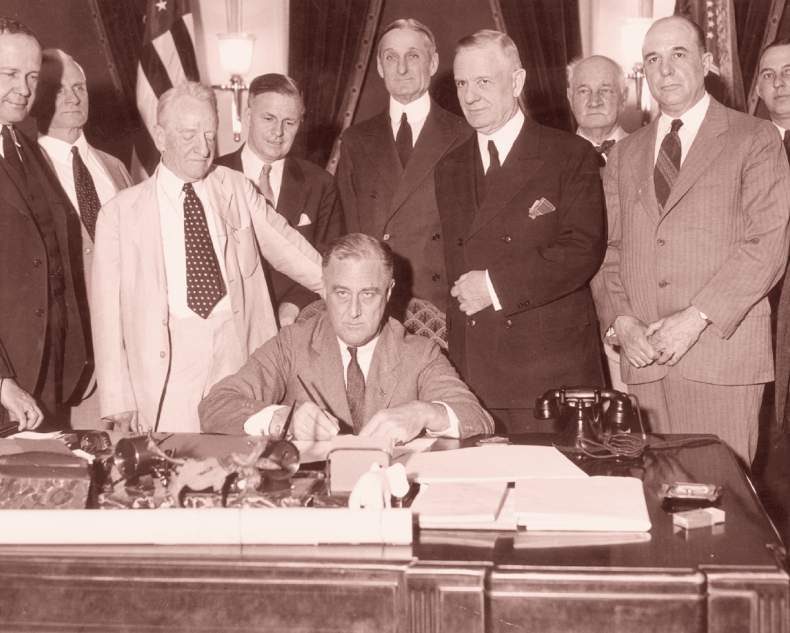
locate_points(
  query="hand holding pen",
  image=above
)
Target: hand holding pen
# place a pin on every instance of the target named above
(310, 421)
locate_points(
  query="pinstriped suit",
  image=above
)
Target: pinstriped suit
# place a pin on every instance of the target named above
(720, 245)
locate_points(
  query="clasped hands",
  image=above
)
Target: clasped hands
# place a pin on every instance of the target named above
(664, 342)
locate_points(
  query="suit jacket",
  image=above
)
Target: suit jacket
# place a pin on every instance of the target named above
(306, 189)
(545, 335)
(24, 289)
(720, 244)
(397, 205)
(129, 291)
(405, 367)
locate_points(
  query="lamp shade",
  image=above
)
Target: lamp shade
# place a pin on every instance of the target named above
(235, 52)
(633, 32)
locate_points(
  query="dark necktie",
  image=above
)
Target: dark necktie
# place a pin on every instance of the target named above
(10, 152)
(265, 186)
(87, 198)
(603, 151)
(493, 155)
(786, 141)
(355, 391)
(668, 164)
(204, 280)
(403, 141)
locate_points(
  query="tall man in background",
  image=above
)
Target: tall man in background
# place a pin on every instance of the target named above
(522, 210)
(698, 205)
(385, 174)
(42, 341)
(89, 178)
(597, 94)
(303, 193)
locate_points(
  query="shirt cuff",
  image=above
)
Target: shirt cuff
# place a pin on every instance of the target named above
(450, 432)
(492, 293)
(259, 423)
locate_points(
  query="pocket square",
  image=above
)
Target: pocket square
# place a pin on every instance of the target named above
(541, 207)
(304, 220)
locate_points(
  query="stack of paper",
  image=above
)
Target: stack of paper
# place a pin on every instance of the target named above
(596, 504)
(464, 505)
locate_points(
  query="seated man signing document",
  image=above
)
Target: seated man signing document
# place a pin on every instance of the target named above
(350, 369)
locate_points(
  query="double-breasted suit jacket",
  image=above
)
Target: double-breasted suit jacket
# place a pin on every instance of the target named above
(382, 199)
(546, 334)
(308, 191)
(720, 244)
(405, 367)
(129, 292)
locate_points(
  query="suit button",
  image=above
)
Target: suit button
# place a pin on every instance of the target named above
(663, 284)
(508, 324)
(39, 312)
(435, 237)
(164, 322)
(37, 263)
(660, 242)
(506, 239)
(162, 354)
(460, 241)
(436, 277)
(472, 322)
(386, 237)
(374, 194)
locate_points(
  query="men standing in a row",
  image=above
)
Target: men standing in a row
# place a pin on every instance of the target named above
(179, 295)
(521, 208)
(597, 94)
(698, 205)
(42, 343)
(385, 175)
(303, 193)
(89, 178)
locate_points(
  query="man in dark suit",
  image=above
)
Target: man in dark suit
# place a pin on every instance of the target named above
(521, 207)
(300, 191)
(42, 343)
(369, 376)
(88, 177)
(385, 174)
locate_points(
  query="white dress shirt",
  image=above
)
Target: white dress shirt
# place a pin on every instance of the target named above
(170, 197)
(59, 153)
(260, 422)
(416, 113)
(253, 166)
(692, 120)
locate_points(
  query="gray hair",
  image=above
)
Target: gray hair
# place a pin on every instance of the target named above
(487, 36)
(412, 25)
(619, 73)
(58, 56)
(193, 89)
(358, 246)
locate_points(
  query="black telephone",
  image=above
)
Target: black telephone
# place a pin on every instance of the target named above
(593, 420)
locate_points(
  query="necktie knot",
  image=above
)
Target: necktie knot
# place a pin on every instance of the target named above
(75, 150)
(353, 352)
(676, 125)
(605, 147)
(189, 190)
(267, 169)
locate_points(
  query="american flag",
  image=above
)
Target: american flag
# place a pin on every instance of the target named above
(167, 58)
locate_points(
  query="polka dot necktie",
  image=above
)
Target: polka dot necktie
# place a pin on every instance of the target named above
(355, 391)
(87, 198)
(204, 280)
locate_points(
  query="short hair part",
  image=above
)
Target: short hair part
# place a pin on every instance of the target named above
(358, 246)
(488, 36)
(193, 89)
(275, 82)
(784, 41)
(412, 25)
(570, 69)
(10, 26)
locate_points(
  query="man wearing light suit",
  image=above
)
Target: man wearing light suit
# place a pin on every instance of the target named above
(698, 205)
(367, 374)
(89, 178)
(301, 192)
(385, 174)
(179, 295)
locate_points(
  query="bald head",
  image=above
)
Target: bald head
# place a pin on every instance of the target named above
(597, 94)
(61, 108)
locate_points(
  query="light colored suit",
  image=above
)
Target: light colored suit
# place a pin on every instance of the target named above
(129, 292)
(405, 367)
(720, 245)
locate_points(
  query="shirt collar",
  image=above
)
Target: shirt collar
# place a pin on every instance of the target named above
(692, 118)
(780, 128)
(252, 164)
(504, 137)
(415, 111)
(363, 350)
(172, 185)
(59, 150)
(617, 135)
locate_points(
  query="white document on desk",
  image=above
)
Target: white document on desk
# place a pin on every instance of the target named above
(453, 505)
(489, 463)
(318, 450)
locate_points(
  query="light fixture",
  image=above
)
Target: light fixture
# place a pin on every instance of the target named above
(235, 56)
(633, 33)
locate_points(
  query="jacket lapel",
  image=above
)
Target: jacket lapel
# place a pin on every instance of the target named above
(382, 376)
(643, 165)
(326, 370)
(522, 163)
(293, 193)
(13, 189)
(146, 232)
(380, 146)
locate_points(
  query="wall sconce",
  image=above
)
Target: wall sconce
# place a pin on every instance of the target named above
(633, 33)
(235, 56)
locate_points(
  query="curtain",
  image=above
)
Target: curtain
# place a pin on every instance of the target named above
(329, 50)
(548, 36)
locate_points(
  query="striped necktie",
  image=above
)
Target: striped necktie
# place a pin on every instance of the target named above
(668, 164)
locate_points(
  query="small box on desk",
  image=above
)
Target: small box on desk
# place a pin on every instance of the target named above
(351, 456)
(43, 480)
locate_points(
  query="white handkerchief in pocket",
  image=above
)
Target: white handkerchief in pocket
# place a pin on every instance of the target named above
(541, 207)
(304, 220)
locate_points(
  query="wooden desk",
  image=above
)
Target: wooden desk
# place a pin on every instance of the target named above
(723, 580)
